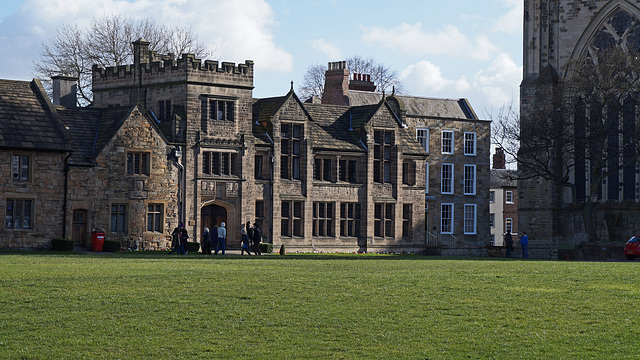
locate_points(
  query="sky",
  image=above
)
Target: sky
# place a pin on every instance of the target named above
(441, 49)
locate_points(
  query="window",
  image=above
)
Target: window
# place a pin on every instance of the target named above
(508, 197)
(492, 196)
(348, 170)
(291, 218)
(323, 169)
(155, 218)
(446, 176)
(138, 163)
(219, 163)
(20, 167)
(350, 219)
(426, 177)
(447, 142)
(119, 218)
(19, 213)
(469, 179)
(258, 168)
(291, 136)
(492, 220)
(383, 220)
(469, 143)
(470, 219)
(221, 110)
(508, 225)
(422, 135)
(323, 224)
(407, 216)
(164, 110)
(259, 214)
(446, 218)
(383, 143)
(409, 172)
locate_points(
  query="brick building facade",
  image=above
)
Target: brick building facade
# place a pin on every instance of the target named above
(556, 32)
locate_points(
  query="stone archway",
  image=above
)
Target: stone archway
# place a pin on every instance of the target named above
(212, 215)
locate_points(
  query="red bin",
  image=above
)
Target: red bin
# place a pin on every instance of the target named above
(97, 241)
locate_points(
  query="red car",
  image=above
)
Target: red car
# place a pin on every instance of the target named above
(632, 249)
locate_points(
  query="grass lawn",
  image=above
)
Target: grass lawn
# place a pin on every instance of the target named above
(140, 306)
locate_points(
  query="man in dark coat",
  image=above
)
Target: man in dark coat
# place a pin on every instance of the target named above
(257, 236)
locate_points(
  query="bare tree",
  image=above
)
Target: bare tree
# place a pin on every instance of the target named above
(107, 41)
(588, 128)
(384, 77)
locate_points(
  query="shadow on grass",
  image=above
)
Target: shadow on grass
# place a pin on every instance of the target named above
(264, 257)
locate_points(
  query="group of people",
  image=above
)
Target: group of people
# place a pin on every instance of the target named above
(216, 239)
(524, 244)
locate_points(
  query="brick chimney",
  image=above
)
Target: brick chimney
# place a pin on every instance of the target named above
(65, 90)
(499, 161)
(362, 82)
(336, 84)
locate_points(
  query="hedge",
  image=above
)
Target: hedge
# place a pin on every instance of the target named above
(266, 248)
(62, 244)
(111, 245)
(193, 246)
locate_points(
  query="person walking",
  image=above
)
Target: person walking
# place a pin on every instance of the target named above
(508, 242)
(206, 242)
(175, 242)
(257, 236)
(214, 239)
(222, 238)
(524, 242)
(244, 242)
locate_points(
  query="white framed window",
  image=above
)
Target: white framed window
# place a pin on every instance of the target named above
(492, 196)
(426, 177)
(492, 220)
(447, 142)
(470, 219)
(508, 197)
(446, 218)
(422, 135)
(469, 179)
(470, 143)
(508, 226)
(446, 179)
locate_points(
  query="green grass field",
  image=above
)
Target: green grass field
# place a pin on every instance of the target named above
(142, 306)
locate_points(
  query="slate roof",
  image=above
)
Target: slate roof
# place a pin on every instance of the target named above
(420, 106)
(91, 129)
(503, 178)
(27, 119)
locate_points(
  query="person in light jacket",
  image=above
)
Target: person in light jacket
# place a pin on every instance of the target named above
(222, 238)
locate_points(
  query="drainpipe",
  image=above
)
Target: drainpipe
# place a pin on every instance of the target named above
(273, 160)
(64, 200)
(177, 153)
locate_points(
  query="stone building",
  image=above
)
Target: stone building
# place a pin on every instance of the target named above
(456, 172)
(71, 171)
(555, 33)
(33, 147)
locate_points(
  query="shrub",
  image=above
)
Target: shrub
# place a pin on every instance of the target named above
(193, 246)
(282, 252)
(111, 245)
(62, 244)
(266, 248)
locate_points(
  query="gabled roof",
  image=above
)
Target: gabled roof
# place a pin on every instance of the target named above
(420, 106)
(265, 110)
(333, 128)
(27, 119)
(93, 128)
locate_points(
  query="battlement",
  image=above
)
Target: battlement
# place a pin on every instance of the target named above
(186, 63)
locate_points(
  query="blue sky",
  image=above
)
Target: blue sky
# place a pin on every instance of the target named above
(443, 49)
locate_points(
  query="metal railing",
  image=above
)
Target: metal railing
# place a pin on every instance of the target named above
(433, 240)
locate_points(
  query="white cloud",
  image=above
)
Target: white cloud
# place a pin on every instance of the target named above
(237, 30)
(499, 84)
(414, 40)
(512, 21)
(331, 51)
(427, 78)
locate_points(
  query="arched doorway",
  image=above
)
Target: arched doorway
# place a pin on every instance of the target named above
(213, 215)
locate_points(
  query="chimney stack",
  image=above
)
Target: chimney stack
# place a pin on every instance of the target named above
(65, 89)
(362, 82)
(336, 84)
(499, 161)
